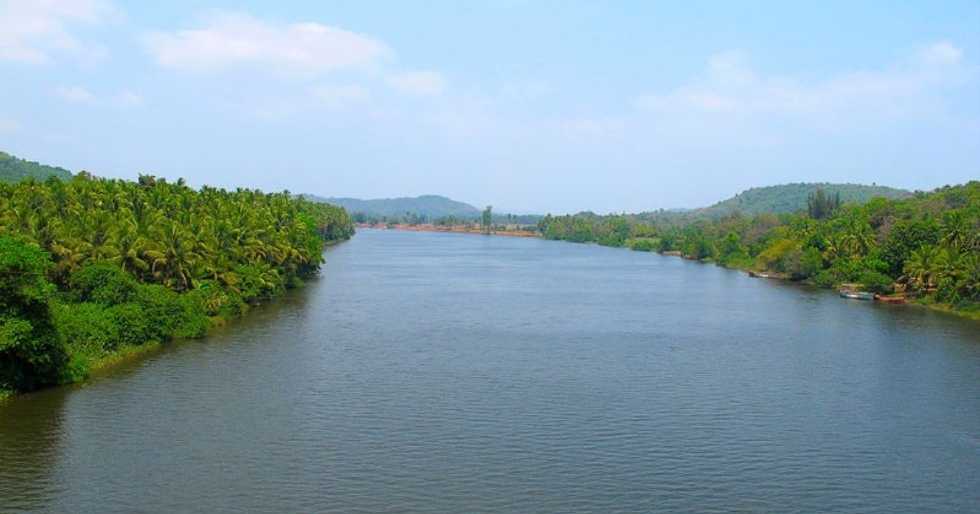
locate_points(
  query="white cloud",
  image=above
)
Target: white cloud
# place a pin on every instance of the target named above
(335, 97)
(127, 98)
(730, 86)
(423, 83)
(32, 31)
(74, 94)
(942, 52)
(229, 40)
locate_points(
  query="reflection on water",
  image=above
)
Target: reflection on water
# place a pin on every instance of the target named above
(455, 373)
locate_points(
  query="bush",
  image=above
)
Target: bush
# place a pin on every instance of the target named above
(103, 283)
(86, 328)
(163, 310)
(214, 300)
(774, 257)
(877, 282)
(643, 244)
(825, 278)
(131, 322)
(258, 282)
(31, 354)
(195, 322)
(811, 263)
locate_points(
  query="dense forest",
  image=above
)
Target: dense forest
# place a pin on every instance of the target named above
(13, 169)
(926, 245)
(92, 268)
(778, 199)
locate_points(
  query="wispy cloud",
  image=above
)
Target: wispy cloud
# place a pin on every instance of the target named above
(730, 86)
(74, 94)
(423, 83)
(127, 98)
(34, 31)
(336, 97)
(229, 40)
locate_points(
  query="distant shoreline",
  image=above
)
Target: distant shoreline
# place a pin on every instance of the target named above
(456, 229)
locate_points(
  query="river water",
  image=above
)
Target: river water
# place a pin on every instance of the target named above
(447, 373)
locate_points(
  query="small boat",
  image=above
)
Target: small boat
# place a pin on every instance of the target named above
(857, 295)
(895, 298)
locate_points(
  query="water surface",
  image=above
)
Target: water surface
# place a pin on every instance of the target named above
(446, 373)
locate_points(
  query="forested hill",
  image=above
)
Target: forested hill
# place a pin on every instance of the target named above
(13, 169)
(787, 198)
(428, 206)
(925, 246)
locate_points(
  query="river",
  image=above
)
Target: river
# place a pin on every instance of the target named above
(447, 373)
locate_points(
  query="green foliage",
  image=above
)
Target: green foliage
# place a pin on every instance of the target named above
(131, 322)
(89, 329)
(31, 354)
(13, 169)
(644, 244)
(789, 198)
(821, 205)
(139, 261)
(811, 262)
(486, 219)
(876, 282)
(929, 242)
(102, 283)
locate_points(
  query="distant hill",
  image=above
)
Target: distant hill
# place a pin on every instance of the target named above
(784, 198)
(430, 206)
(13, 169)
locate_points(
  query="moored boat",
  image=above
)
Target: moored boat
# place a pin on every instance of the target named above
(894, 298)
(857, 295)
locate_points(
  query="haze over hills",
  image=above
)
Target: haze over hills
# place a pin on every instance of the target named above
(430, 206)
(13, 169)
(776, 199)
(785, 198)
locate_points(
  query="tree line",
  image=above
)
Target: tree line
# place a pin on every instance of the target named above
(90, 267)
(928, 244)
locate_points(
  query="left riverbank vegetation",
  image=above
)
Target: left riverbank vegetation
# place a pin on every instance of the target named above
(926, 246)
(94, 268)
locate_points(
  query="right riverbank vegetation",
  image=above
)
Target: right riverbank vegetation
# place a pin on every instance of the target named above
(91, 269)
(924, 247)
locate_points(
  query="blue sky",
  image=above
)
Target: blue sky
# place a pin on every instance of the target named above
(532, 106)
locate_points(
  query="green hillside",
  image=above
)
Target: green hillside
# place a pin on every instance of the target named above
(428, 206)
(13, 169)
(787, 198)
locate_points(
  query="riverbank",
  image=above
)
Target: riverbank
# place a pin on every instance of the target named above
(912, 301)
(456, 229)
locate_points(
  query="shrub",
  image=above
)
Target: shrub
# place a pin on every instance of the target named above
(103, 283)
(86, 328)
(773, 257)
(258, 282)
(163, 310)
(877, 282)
(131, 323)
(31, 354)
(195, 322)
(643, 244)
(811, 262)
(825, 278)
